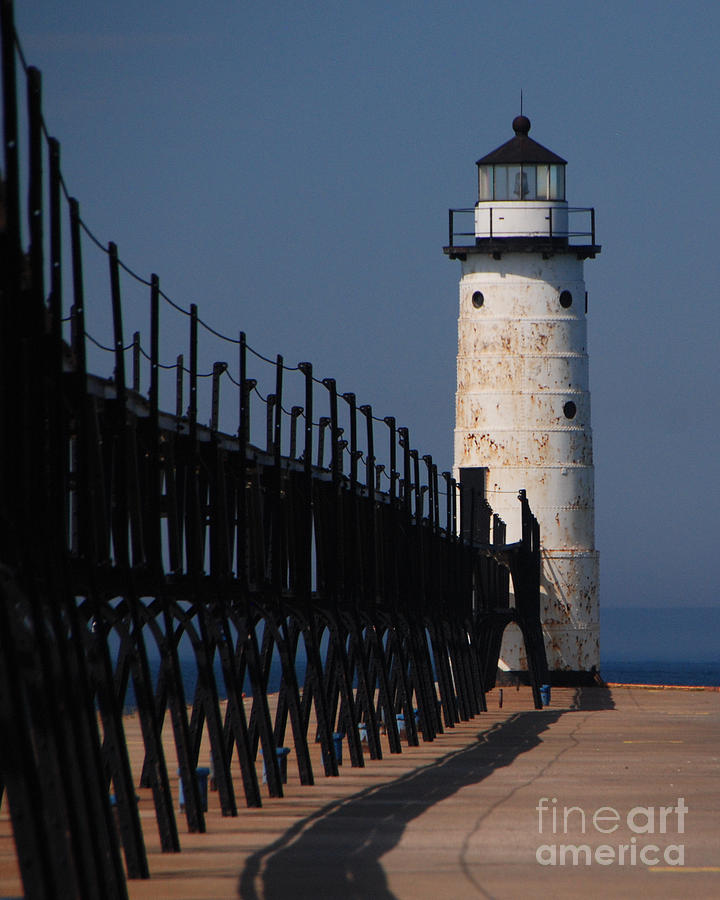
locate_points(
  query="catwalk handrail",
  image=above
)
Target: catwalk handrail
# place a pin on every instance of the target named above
(267, 552)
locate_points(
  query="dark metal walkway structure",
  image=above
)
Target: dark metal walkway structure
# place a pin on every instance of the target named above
(135, 544)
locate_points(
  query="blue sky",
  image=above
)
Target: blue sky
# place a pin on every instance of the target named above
(288, 166)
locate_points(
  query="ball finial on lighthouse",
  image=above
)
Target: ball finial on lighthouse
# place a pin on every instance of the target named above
(521, 125)
(523, 401)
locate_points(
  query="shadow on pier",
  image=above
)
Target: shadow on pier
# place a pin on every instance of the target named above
(339, 848)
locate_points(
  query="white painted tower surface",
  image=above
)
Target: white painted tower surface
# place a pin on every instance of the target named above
(523, 400)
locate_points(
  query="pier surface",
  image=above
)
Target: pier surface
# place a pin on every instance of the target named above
(624, 782)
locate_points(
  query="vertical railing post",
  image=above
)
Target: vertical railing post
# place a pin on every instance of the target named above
(55, 252)
(218, 369)
(59, 452)
(120, 505)
(136, 361)
(270, 404)
(371, 568)
(525, 518)
(155, 528)
(349, 398)
(243, 440)
(427, 459)
(179, 379)
(336, 558)
(277, 428)
(453, 488)
(323, 423)
(404, 436)
(278, 568)
(192, 409)
(416, 487)
(193, 512)
(449, 529)
(247, 386)
(410, 584)
(12, 267)
(354, 573)
(331, 386)
(390, 422)
(473, 514)
(242, 398)
(120, 384)
(356, 584)
(33, 472)
(10, 134)
(78, 310)
(366, 410)
(306, 369)
(154, 351)
(35, 195)
(295, 414)
(313, 645)
(464, 525)
(306, 553)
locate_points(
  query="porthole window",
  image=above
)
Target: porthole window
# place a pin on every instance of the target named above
(565, 299)
(569, 409)
(477, 299)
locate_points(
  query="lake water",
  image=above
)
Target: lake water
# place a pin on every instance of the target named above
(661, 672)
(615, 670)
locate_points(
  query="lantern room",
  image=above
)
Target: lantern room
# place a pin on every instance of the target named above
(521, 169)
(521, 190)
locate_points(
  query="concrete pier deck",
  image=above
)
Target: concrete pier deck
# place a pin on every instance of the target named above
(623, 782)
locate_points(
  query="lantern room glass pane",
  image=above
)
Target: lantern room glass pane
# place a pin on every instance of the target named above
(543, 182)
(501, 183)
(516, 183)
(485, 182)
(529, 182)
(557, 183)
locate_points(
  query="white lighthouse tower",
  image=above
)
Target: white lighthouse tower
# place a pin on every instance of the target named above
(523, 401)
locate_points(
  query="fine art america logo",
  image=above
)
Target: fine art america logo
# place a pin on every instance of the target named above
(643, 835)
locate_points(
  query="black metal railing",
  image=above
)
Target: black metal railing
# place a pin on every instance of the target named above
(582, 232)
(128, 532)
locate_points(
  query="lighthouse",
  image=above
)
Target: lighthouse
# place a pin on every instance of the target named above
(523, 399)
